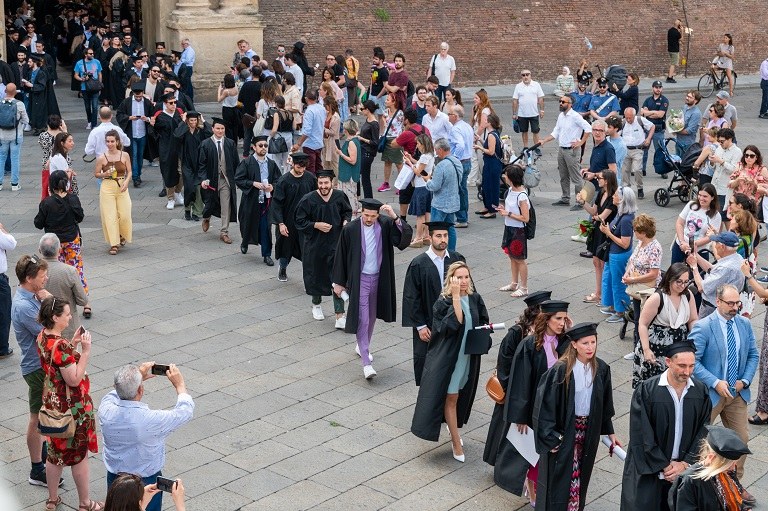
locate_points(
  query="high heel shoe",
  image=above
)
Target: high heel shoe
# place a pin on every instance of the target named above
(527, 495)
(457, 457)
(461, 441)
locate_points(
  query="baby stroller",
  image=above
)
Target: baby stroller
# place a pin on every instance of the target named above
(683, 185)
(532, 177)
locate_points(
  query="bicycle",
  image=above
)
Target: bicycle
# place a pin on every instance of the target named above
(710, 83)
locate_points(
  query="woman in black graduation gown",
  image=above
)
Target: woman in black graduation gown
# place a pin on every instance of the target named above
(497, 429)
(573, 408)
(189, 135)
(449, 381)
(535, 355)
(711, 484)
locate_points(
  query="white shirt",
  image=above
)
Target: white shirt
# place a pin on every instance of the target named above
(438, 261)
(134, 435)
(371, 266)
(96, 144)
(582, 376)
(428, 159)
(7, 242)
(678, 402)
(439, 126)
(138, 127)
(570, 126)
(633, 134)
(512, 204)
(528, 98)
(297, 73)
(443, 68)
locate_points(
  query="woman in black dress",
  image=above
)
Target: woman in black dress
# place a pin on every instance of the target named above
(603, 210)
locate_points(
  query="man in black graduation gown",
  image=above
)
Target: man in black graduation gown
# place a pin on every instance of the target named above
(364, 267)
(217, 161)
(256, 176)
(164, 124)
(289, 190)
(667, 419)
(20, 69)
(133, 118)
(183, 101)
(189, 135)
(423, 284)
(36, 87)
(320, 217)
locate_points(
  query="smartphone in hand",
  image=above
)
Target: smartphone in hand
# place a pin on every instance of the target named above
(160, 369)
(424, 172)
(338, 144)
(79, 332)
(165, 484)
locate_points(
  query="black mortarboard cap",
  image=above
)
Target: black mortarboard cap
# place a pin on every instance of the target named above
(136, 57)
(371, 204)
(537, 297)
(217, 120)
(554, 306)
(300, 159)
(138, 86)
(299, 45)
(580, 330)
(259, 138)
(679, 347)
(167, 96)
(159, 43)
(325, 173)
(438, 226)
(176, 52)
(37, 58)
(726, 442)
(193, 114)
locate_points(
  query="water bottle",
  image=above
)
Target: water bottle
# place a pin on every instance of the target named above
(586, 41)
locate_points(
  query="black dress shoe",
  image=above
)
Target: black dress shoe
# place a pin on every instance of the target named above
(244, 248)
(163, 193)
(7, 353)
(137, 183)
(268, 261)
(188, 215)
(195, 218)
(586, 254)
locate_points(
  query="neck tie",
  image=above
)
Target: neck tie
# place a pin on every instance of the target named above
(733, 359)
(218, 143)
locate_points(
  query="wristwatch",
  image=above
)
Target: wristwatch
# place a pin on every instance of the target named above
(746, 383)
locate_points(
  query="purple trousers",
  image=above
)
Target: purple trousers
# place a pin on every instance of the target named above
(369, 287)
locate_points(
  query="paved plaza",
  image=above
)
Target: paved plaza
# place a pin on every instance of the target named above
(284, 419)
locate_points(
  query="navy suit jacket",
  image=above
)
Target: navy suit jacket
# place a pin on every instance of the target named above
(712, 353)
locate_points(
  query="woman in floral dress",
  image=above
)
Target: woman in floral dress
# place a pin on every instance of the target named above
(65, 370)
(56, 125)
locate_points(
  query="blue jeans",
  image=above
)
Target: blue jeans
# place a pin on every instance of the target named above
(658, 159)
(764, 101)
(91, 100)
(12, 147)
(461, 214)
(137, 156)
(156, 504)
(613, 290)
(440, 92)
(440, 216)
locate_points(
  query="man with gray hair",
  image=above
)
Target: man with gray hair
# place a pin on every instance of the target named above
(461, 140)
(134, 435)
(63, 281)
(444, 185)
(726, 271)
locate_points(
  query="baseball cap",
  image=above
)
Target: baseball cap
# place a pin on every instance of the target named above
(723, 94)
(727, 238)
(657, 83)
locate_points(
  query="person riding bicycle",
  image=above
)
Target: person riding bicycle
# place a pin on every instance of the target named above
(724, 60)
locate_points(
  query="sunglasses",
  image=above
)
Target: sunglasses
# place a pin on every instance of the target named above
(750, 155)
(170, 102)
(525, 74)
(261, 145)
(565, 102)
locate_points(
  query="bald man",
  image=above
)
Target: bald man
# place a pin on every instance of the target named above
(13, 115)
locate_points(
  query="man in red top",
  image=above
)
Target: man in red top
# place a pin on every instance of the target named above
(407, 141)
(398, 81)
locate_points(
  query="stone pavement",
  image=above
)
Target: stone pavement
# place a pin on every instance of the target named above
(284, 419)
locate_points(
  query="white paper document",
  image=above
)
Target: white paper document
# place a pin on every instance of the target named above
(524, 444)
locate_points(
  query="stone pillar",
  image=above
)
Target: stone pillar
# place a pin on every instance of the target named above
(214, 34)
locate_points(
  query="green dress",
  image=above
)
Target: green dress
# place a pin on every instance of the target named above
(461, 369)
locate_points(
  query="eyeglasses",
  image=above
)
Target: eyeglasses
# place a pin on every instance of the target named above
(681, 282)
(597, 130)
(734, 303)
(721, 140)
(525, 74)
(450, 114)
(261, 145)
(329, 58)
(750, 155)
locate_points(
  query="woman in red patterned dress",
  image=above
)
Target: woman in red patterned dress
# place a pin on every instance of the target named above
(65, 367)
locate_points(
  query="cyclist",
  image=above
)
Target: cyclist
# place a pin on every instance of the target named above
(724, 60)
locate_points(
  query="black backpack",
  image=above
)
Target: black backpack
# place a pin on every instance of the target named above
(530, 226)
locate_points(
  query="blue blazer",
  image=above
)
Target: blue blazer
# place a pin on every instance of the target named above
(711, 353)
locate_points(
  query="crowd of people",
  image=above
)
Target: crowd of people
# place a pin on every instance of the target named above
(304, 172)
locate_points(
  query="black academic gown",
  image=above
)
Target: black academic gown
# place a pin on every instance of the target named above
(347, 267)
(554, 415)
(443, 351)
(6, 73)
(689, 494)
(38, 101)
(319, 248)
(162, 131)
(421, 289)
(251, 210)
(651, 437)
(189, 152)
(288, 191)
(208, 166)
(116, 80)
(125, 111)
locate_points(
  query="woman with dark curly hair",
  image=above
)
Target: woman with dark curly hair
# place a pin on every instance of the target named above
(66, 388)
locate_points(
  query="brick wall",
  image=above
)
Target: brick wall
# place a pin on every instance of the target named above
(492, 40)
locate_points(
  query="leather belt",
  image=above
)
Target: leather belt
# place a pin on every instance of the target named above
(630, 147)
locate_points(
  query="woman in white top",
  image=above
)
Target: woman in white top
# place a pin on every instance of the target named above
(699, 219)
(421, 201)
(516, 213)
(269, 91)
(724, 59)
(227, 96)
(564, 82)
(668, 315)
(60, 160)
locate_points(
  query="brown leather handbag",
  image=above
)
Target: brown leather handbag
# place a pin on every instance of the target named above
(494, 389)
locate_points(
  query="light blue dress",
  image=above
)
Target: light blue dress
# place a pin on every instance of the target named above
(461, 369)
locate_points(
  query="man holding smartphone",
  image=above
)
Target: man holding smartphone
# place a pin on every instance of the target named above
(134, 435)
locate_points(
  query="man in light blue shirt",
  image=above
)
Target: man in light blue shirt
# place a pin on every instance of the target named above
(312, 129)
(461, 139)
(691, 121)
(188, 58)
(619, 146)
(444, 185)
(134, 435)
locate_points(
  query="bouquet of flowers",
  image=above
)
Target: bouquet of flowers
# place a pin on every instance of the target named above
(585, 227)
(675, 120)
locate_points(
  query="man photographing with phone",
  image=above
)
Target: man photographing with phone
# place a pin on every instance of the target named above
(134, 435)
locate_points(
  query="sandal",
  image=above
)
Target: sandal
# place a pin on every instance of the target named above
(113, 250)
(417, 243)
(122, 241)
(509, 287)
(757, 421)
(591, 298)
(93, 506)
(55, 503)
(87, 312)
(520, 292)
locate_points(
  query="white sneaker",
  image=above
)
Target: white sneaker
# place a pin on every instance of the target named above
(88, 126)
(630, 356)
(15, 188)
(369, 372)
(317, 312)
(579, 238)
(179, 199)
(169, 205)
(1, 188)
(341, 323)
(357, 350)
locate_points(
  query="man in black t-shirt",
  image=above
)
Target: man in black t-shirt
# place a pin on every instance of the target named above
(379, 78)
(674, 35)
